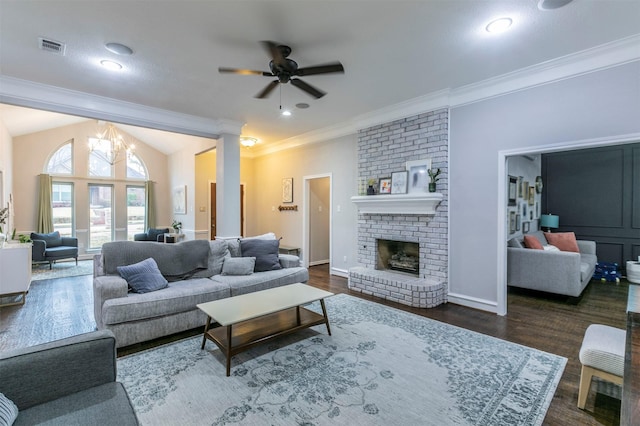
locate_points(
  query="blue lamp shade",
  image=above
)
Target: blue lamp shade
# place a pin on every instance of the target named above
(549, 221)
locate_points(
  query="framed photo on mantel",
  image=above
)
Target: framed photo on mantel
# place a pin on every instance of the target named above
(399, 182)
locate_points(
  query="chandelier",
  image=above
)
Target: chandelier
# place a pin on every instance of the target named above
(109, 144)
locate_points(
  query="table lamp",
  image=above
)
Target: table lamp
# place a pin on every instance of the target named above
(549, 221)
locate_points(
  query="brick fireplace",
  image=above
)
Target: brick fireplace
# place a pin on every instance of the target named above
(383, 149)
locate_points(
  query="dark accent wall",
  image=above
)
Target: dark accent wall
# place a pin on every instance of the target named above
(596, 193)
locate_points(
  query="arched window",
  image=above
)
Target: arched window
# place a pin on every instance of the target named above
(61, 161)
(135, 167)
(99, 158)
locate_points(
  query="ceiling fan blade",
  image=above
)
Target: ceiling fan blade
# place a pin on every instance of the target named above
(316, 93)
(275, 53)
(265, 92)
(320, 69)
(244, 72)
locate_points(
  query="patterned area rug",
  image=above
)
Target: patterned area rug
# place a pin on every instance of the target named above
(41, 271)
(381, 366)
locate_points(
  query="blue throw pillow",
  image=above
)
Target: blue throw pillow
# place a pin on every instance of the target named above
(265, 252)
(143, 277)
(8, 411)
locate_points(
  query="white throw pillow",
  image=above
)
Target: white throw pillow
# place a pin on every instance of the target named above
(550, 247)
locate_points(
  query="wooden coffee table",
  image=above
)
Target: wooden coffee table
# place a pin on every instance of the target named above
(254, 318)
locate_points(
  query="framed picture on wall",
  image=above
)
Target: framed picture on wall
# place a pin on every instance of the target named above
(180, 199)
(399, 182)
(518, 222)
(512, 222)
(287, 190)
(520, 179)
(418, 179)
(384, 185)
(526, 226)
(512, 190)
(523, 208)
(532, 195)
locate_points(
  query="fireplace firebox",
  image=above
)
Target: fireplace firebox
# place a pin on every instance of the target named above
(400, 256)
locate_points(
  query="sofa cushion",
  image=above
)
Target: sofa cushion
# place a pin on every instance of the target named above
(52, 239)
(265, 252)
(238, 265)
(565, 241)
(62, 251)
(143, 277)
(8, 410)
(107, 404)
(532, 242)
(180, 296)
(242, 284)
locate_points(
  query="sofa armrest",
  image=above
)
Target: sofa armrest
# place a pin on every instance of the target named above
(587, 247)
(289, 260)
(43, 373)
(107, 287)
(38, 247)
(70, 241)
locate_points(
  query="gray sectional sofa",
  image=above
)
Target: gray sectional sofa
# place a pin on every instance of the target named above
(194, 271)
(559, 272)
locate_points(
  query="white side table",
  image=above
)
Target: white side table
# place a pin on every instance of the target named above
(173, 237)
(633, 272)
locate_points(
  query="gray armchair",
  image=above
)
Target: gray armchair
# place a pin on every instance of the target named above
(152, 234)
(68, 381)
(558, 272)
(51, 247)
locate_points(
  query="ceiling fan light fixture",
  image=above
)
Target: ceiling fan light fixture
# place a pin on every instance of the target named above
(499, 25)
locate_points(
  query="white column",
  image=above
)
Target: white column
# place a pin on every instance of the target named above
(228, 185)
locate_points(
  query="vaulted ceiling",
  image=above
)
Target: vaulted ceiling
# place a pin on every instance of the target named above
(392, 51)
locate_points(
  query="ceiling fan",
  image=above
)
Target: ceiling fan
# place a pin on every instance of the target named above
(284, 69)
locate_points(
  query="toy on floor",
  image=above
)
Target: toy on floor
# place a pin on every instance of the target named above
(607, 272)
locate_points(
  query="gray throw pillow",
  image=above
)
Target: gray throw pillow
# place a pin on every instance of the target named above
(238, 265)
(265, 252)
(8, 411)
(143, 277)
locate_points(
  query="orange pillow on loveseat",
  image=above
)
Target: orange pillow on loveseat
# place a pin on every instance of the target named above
(565, 241)
(532, 242)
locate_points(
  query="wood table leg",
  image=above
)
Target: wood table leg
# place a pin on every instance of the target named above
(228, 350)
(206, 328)
(326, 318)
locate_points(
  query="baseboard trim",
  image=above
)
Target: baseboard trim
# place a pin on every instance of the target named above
(340, 272)
(473, 302)
(319, 262)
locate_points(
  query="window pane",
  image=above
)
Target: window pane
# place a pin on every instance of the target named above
(135, 168)
(99, 158)
(100, 215)
(136, 210)
(61, 162)
(62, 206)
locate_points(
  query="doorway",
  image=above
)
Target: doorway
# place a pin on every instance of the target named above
(212, 210)
(317, 219)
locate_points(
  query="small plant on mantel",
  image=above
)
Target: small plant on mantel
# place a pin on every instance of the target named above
(433, 176)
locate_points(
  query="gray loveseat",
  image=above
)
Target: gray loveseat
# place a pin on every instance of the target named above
(67, 382)
(135, 317)
(560, 272)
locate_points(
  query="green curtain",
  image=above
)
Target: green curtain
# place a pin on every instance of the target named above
(150, 203)
(45, 209)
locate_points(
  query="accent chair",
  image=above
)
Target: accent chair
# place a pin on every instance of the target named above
(51, 247)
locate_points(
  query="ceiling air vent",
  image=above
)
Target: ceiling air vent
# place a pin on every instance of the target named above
(52, 46)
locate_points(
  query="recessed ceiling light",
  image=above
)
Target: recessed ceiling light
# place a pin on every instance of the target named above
(499, 25)
(110, 65)
(552, 4)
(286, 113)
(118, 49)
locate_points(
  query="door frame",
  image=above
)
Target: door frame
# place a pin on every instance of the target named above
(243, 202)
(305, 217)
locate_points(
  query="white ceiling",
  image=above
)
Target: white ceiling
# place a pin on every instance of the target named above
(392, 51)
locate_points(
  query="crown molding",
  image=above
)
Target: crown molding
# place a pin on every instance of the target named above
(30, 94)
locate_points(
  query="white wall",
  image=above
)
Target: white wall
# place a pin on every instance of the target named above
(601, 104)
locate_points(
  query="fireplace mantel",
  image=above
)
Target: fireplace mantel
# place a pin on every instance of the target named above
(420, 203)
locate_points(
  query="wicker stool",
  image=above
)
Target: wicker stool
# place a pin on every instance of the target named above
(601, 355)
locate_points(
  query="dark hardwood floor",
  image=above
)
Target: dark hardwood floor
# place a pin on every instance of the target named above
(62, 307)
